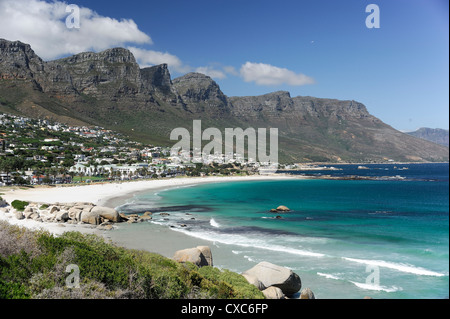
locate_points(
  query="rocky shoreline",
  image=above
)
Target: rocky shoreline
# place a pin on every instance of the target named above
(275, 282)
(67, 213)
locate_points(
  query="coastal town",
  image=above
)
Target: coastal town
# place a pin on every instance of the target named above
(37, 151)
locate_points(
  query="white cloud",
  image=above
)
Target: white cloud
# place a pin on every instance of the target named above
(213, 73)
(266, 74)
(147, 58)
(43, 25)
(230, 70)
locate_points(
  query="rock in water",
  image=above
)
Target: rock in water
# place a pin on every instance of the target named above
(307, 294)
(282, 208)
(273, 275)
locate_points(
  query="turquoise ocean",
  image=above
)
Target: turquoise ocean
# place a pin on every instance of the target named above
(387, 237)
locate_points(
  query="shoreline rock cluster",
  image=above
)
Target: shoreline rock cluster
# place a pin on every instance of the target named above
(275, 282)
(73, 213)
(280, 210)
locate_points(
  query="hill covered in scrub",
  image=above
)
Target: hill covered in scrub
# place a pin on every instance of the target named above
(110, 90)
(34, 264)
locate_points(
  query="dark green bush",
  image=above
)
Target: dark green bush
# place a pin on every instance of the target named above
(19, 205)
(12, 290)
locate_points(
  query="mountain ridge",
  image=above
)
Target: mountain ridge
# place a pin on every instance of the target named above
(111, 90)
(435, 135)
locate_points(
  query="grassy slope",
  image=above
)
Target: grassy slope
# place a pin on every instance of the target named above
(33, 265)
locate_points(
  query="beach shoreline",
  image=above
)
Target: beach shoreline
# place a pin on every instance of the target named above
(113, 195)
(109, 194)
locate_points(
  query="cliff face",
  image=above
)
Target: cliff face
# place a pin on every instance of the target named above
(109, 89)
(202, 95)
(108, 74)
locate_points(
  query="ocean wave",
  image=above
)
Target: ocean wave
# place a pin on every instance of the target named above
(213, 223)
(328, 276)
(376, 287)
(361, 285)
(249, 258)
(244, 241)
(397, 266)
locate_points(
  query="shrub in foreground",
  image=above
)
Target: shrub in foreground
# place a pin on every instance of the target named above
(33, 265)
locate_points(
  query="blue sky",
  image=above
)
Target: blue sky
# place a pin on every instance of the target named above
(319, 48)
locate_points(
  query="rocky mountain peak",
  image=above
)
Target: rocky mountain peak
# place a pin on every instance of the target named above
(18, 60)
(114, 55)
(156, 77)
(200, 92)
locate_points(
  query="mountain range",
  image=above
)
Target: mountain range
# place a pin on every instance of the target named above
(109, 89)
(435, 135)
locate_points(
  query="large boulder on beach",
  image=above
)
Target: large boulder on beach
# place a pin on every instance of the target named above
(3, 202)
(107, 213)
(62, 216)
(75, 214)
(53, 209)
(273, 293)
(252, 280)
(28, 212)
(273, 275)
(19, 215)
(207, 254)
(200, 256)
(28, 209)
(90, 218)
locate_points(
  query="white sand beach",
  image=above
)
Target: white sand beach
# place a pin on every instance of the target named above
(101, 194)
(106, 194)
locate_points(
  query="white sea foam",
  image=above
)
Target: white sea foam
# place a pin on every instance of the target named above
(328, 276)
(243, 241)
(249, 258)
(376, 287)
(397, 266)
(213, 223)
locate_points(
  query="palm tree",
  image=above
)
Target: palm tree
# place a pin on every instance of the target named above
(144, 172)
(72, 174)
(81, 174)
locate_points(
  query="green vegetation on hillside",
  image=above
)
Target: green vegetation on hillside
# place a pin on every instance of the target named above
(33, 264)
